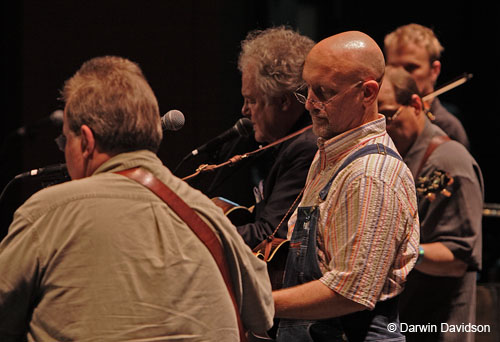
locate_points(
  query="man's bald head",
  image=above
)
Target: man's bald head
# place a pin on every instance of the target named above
(353, 54)
(343, 74)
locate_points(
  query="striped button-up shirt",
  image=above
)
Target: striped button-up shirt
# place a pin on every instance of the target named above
(368, 230)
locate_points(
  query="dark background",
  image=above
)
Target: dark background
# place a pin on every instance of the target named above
(188, 51)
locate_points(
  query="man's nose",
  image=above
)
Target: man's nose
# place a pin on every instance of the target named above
(310, 106)
(245, 110)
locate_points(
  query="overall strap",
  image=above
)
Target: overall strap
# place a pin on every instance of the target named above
(368, 149)
(193, 220)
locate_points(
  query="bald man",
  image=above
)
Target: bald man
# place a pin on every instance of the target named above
(355, 235)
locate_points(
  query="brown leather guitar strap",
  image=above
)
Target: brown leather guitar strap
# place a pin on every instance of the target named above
(199, 227)
(435, 142)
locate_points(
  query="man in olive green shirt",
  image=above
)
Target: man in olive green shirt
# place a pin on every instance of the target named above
(102, 258)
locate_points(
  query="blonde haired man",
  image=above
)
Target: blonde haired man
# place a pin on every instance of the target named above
(417, 49)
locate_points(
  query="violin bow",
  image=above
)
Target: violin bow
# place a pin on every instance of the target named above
(448, 86)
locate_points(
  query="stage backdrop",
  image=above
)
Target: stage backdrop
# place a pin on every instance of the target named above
(188, 51)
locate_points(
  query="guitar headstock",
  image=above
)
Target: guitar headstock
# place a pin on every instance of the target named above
(438, 182)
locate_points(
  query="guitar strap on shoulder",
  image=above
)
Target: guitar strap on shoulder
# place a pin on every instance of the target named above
(434, 143)
(194, 221)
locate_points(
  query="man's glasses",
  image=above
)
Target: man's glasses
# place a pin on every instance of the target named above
(304, 89)
(390, 116)
(61, 142)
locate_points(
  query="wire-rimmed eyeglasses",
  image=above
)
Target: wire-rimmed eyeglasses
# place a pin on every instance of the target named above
(299, 94)
(390, 116)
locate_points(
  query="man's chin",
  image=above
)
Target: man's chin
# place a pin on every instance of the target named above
(259, 138)
(320, 129)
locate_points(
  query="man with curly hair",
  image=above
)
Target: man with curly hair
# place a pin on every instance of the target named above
(271, 64)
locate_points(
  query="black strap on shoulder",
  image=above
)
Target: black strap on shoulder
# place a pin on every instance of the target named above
(369, 149)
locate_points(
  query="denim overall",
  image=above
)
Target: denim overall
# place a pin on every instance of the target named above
(302, 267)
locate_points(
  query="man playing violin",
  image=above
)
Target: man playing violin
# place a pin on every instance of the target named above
(417, 49)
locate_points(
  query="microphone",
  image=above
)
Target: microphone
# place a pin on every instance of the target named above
(172, 121)
(49, 175)
(242, 128)
(44, 171)
(56, 118)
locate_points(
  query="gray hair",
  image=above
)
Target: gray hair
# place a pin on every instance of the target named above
(279, 54)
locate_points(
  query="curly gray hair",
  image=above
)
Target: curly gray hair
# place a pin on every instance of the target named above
(278, 54)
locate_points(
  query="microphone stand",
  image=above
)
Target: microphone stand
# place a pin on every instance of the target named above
(237, 158)
(49, 175)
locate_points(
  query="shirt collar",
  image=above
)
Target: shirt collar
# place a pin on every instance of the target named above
(337, 147)
(128, 160)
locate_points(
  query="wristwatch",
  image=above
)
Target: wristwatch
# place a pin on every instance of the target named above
(420, 255)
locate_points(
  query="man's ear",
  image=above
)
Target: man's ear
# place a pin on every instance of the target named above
(435, 71)
(285, 102)
(370, 91)
(88, 144)
(416, 103)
